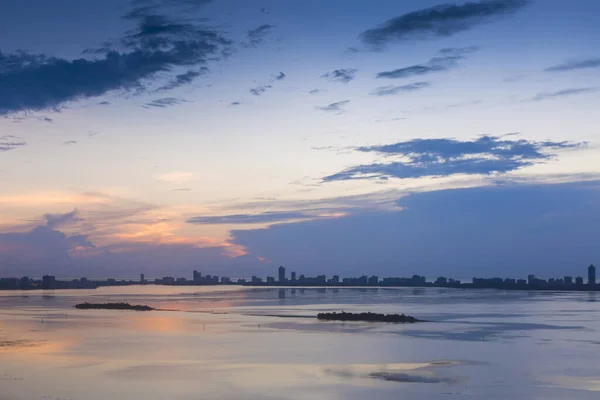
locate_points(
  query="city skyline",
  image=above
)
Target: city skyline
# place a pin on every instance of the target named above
(568, 282)
(234, 136)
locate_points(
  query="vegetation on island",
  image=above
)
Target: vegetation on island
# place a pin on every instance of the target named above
(112, 306)
(367, 317)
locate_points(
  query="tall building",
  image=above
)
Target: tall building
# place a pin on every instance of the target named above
(197, 276)
(48, 282)
(293, 276)
(591, 275)
(142, 278)
(281, 274)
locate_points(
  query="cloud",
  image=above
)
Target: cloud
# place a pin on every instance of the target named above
(164, 102)
(41, 243)
(157, 46)
(262, 218)
(257, 91)
(10, 142)
(344, 75)
(564, 93)
(445, 60)
(337, 107)
(315, 91)
(176, 177)
(58, 220)
(183, 79)
(573, 64)
(550, 230)
(69, 142)
(439, 21)
(236, 103)
(444, 157)
(393, 90)
(257, 36)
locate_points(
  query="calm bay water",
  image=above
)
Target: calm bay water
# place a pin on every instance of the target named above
(232, 343)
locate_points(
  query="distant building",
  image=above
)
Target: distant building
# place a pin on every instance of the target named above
(197, 276)
(442, 280)
(270, 280)
(48, 282)
(568, 280)
(293, 276)
(256, 280)
(531, 280)
(579, 281)
(335, 279)
(281, 274)
(591, 275)
(24, 283)
(142, 278)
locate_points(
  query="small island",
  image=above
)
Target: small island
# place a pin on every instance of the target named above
(112, 306)
(368, 317)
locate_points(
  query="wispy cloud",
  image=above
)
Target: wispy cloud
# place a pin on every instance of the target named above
(176, 177)
(10, 142)
(157, 46)
(343, 75)
(58, 220)
(258, 35)
(262, 218)
(575, 64)
(564, 93)
(445, 60)
(257, 91)
(337, 107)
(183, 79)
(393, 90)
(164, 102)
(443, 157)
(70, 142)
(439, 21)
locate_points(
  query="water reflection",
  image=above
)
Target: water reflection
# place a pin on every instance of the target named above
(223, 344)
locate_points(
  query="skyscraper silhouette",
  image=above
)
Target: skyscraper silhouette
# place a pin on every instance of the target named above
(591, 275)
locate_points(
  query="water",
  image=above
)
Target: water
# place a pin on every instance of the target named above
(228, 343)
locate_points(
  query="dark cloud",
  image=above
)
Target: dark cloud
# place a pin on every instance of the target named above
(104, 103)
(58, 220)
(443, 157)
(446, 59)
(315, 91)
(392, 90)
(41, 243)
(164, 102)
(236, 103)
(439, 21)
(158, 44)
(263, 218)
(571, 65)
(335, 107)
(257, 91)
(564, 93)
(550, 230)
(183, 79)
(343, 75)
(257, 36)
(10, 142)
(69, 142)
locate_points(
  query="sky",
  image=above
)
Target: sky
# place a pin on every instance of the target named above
(339, 137)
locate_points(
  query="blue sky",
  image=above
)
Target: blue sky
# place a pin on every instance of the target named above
(233, 136)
